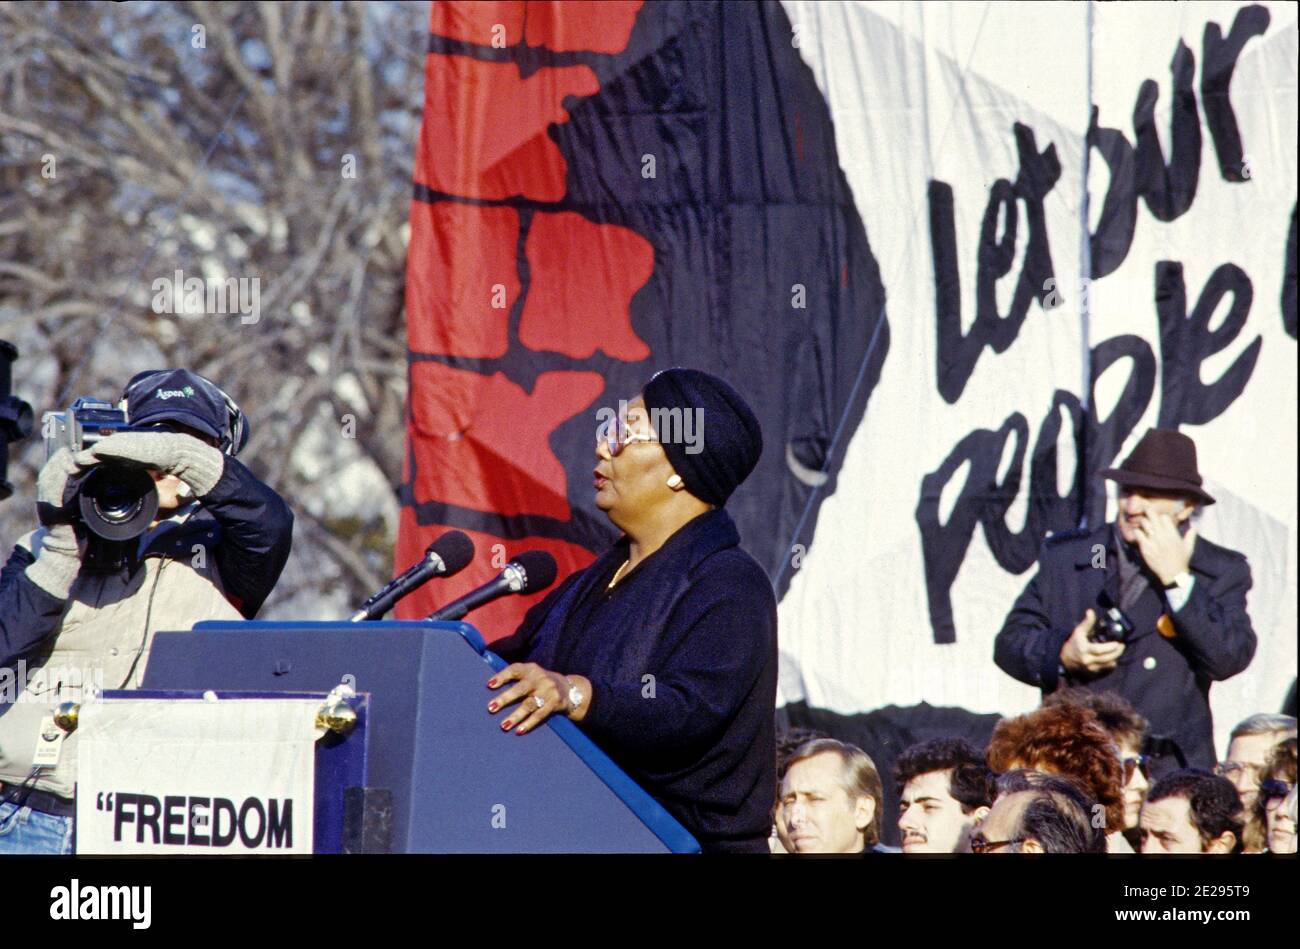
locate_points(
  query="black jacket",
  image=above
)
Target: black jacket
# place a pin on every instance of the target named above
(682, 659)
(252, 528)
(1166, 679)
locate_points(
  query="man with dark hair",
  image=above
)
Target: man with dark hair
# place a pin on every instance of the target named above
(1039, 813)
(945, 789)
(1191, 811)
(1143, 607)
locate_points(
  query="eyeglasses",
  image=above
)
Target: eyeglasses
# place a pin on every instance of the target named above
(618, 436)
(981, 844)
(1232, 769)
(1137, 763)
(1272, 788)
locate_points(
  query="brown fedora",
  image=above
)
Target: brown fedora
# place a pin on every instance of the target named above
(1165, 459)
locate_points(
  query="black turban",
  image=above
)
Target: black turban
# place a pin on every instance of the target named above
(725, 442)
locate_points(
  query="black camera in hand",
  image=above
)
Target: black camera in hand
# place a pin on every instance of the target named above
(1112, 625)
(115, 500)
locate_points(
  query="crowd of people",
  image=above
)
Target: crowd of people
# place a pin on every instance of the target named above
(1123, 628)
(1068, 777)
(664, 648)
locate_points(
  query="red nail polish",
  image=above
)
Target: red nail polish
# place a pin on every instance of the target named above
(519, 731)
(492, 707)
(492, 683)
(505, 726)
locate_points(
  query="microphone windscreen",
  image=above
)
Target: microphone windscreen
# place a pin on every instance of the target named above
(539, 570)
(456, 550)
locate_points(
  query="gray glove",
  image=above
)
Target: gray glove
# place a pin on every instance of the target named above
(52, 486)
(58, 562)
(198, 465)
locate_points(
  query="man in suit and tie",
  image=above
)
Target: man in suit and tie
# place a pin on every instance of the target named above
(1143, 607)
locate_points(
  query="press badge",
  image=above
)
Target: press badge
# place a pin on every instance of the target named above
(49, 743)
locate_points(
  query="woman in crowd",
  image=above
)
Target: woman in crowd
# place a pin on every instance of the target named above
(1128, 730)
(1068, 740)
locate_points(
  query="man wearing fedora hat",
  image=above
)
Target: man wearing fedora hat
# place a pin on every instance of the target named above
(1183, 597)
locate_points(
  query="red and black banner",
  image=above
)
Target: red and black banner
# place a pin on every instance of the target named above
(603, 190)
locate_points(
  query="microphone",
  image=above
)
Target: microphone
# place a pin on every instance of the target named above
(531, 571)
(447, 555)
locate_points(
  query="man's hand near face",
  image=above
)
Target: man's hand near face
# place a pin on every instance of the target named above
(1081, 654)
(1165, 551)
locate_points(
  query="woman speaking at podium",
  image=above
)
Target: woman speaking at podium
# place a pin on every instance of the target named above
(664, 648)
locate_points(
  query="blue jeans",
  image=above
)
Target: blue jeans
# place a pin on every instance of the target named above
(23, 830)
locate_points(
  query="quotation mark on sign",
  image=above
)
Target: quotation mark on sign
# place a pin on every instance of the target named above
(102, 804)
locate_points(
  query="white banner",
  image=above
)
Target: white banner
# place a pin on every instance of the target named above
(964, 132)
(173, 776)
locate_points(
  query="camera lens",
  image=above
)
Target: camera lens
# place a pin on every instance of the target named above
(116, 505)
(118, 502)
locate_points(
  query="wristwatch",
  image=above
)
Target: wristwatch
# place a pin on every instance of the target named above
(575, 697)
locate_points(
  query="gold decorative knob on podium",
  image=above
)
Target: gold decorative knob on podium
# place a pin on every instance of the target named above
(337, 716)
(65, 716)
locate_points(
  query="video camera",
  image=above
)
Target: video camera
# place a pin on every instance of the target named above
(116, 500)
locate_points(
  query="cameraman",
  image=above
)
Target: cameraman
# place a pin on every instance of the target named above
(1184, 599)
(76, 610)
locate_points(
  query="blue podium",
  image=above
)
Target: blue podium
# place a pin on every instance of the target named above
(440, 776)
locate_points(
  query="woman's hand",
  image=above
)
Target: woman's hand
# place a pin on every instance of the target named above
(540, 692)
